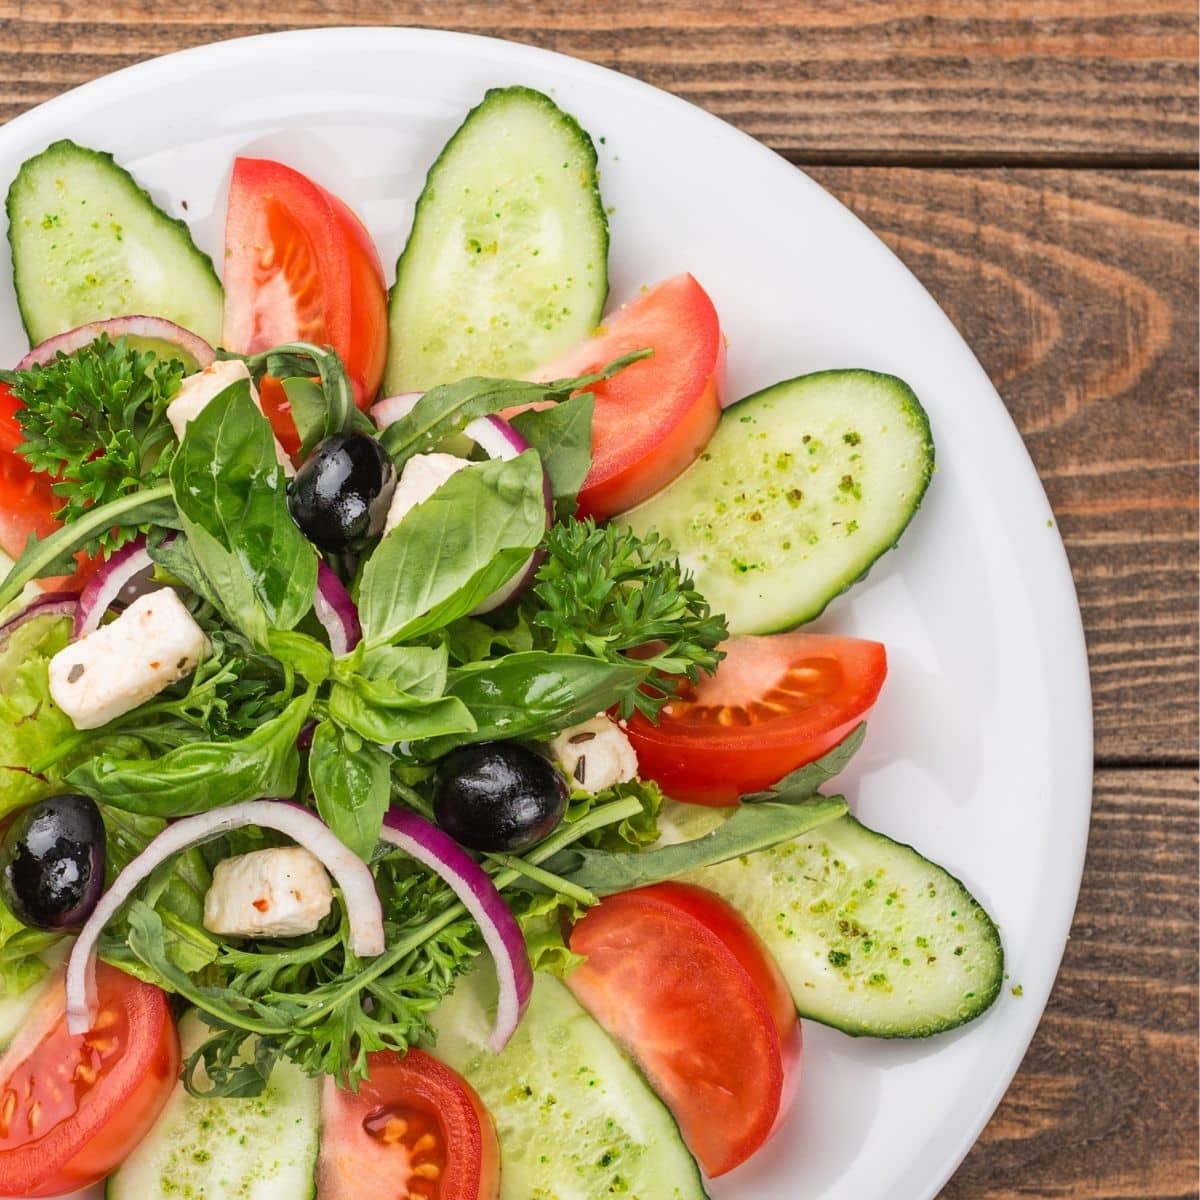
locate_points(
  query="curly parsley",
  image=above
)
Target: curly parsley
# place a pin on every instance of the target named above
(96, 423)
(608, 592)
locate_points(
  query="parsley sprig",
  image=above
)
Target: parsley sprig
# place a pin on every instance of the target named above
(610, 593)
(96, 423)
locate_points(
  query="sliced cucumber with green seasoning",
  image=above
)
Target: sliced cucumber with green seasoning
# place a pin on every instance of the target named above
(575, 1119)
(88, 243)
(263, 1148)
(506, 266)
(872, 938)
(803, 486)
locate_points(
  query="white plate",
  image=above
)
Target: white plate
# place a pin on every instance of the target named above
(980, 749)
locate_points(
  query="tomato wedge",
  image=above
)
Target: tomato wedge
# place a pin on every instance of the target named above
(653, 419)
(774, 704)
(677, 977)
(73, 1106)
(415, 1129)
(300, 266)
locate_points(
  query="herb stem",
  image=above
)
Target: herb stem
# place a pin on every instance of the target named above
(551, 882)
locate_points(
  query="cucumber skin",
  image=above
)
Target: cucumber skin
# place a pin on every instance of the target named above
(429, 189)
(986, 931)
(911, 407)
(139, 195)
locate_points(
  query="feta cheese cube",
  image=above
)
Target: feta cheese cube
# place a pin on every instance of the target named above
(198, 390)
(123, 664)
(423, 474)
(282, 892)
(596, 754)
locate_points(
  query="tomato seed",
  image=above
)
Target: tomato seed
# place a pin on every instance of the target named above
(425, 1142)
(35, 1115)
(427, 1171)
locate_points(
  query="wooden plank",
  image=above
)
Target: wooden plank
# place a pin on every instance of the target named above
(1105, 1103)
(876, 80)
(1077, 290)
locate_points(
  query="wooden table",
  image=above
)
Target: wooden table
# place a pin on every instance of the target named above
(1034, 162)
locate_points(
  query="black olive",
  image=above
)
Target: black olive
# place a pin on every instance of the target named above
(498, 796)
(341, 495)
(52, 862)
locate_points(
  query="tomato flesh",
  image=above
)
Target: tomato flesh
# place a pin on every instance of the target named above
(73, 1106)
(300, 266)
(652, 420)
(774, 704)
(677, 977)
(415, 1130)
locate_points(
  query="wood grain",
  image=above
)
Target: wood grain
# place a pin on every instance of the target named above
(1104, 1106)
(1077, 290)
(1044, 81)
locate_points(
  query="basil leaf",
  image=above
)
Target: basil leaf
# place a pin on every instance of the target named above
(398, 718)
(446, 409)
(351, 781)
(452, 551)
(418, 672)
(225, 584)
(199, 776)
(533, 693)
(562, 436)
(231, 493)
(302, 652)
(751, 828)
(52, 555)
(804, 781)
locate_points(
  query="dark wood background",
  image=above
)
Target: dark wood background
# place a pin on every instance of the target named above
(1034, 162)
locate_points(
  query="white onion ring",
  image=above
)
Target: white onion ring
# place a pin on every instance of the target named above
(150, 328)
(437, 850)
(353, 876)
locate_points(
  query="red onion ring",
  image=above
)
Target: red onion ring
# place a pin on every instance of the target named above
(497, 439)
(435, 849)
(51, 604)
(150, 328)
(107, 584)
(353, 876)
(335, 610)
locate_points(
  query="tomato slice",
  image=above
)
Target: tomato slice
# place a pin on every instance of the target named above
(73, 1106)
(300, 266)
(653, 419)
(11, 434)
(415, 1129)
(774, 704)
(680, 980)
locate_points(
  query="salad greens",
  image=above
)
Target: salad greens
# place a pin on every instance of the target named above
(611, 621)
(96, 423)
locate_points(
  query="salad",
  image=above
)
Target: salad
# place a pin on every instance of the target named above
(411, 762)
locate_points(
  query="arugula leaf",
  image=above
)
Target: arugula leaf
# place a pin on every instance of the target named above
(309, 411)
(202, 775)
(452, 551)
(351, 781)
(532, 693)
(562, 436)
(231, 495)
(52, 555)
(96, 422)
(446, 409)
(805, 780)
(752, 827)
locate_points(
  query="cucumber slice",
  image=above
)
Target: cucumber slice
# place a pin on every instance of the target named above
(88, 243)
(803, 486)
(259, 1149)
(575, 1119)
(872, 938)
(506, 266)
